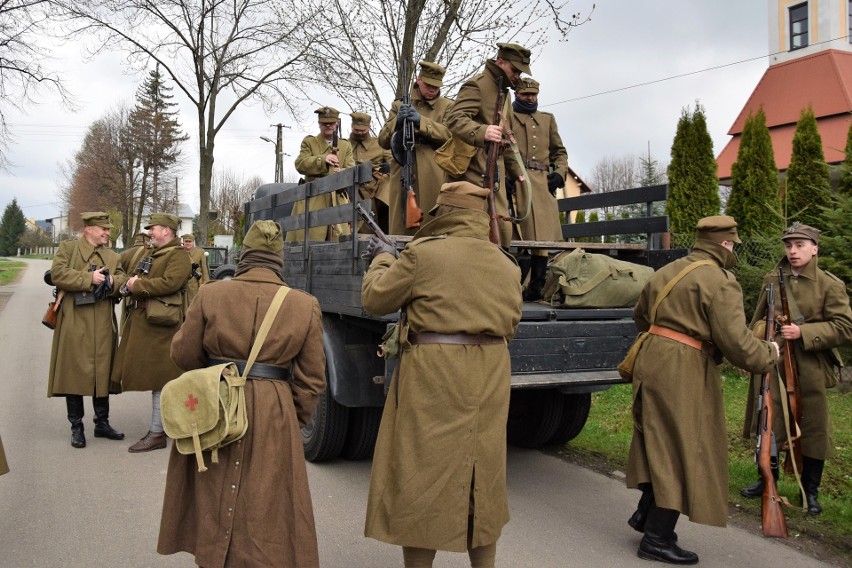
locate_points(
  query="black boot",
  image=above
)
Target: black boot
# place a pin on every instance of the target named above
(658, 544)
(811, 479)
(755, 490)
(538, 274)
(640, 516)
(102, 427)
(524, 264)
(74, 405)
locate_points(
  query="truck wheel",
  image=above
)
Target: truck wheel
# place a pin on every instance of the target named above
(534, 415)
(574, 415)
(224, 272)
(324, 435)
(363, 430)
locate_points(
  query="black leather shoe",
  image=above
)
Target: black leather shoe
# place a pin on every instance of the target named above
(637, 522)
(104, 430)
(668, 552)
(78, 439)
(754, 490)
(814, 508)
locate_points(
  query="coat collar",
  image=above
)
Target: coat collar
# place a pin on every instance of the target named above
(809, 272)
(260, 275)
(166, 247)
(86, 249)
(495, 72)
(716, 252)
(461, 223)
(418, 97)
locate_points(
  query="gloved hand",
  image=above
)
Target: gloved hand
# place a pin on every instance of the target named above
(384, 168)
(510, 185)
(378, 246)
(401, 115)
(554, 182)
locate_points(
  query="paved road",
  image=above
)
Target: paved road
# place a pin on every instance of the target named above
(99, 507)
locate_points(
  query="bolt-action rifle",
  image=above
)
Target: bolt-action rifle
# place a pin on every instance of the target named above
(791, 378)
(492, 183)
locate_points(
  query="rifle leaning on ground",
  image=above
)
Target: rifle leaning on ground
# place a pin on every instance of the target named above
(794, 391)
(773, 521)
(411, 213)
(491, 181)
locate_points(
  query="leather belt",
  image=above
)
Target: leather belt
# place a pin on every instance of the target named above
(707, 348)
(258, 370)
(533, 165)
(136, 304)
(430, 338)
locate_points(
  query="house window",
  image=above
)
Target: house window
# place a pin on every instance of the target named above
(799, 26)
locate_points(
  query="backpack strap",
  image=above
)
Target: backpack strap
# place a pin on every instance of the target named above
(265, 326)
(671, 284)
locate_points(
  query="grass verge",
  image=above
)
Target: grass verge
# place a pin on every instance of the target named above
(604, 443)
(9, 270)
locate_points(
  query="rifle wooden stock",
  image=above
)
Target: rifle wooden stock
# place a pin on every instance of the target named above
(51, 315)
(772, 515)
(791, 380)
(491, 172)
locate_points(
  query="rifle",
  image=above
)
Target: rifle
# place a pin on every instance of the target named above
(370, 222)
(774, 523)
(411, 212)
(491, 181)
(794, 391)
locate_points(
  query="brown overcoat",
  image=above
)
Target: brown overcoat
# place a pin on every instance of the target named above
(444, 421)
(369, 151)
(253, 508)
(196, 256)
(468, 118)
(142, 361)
(84, 341)
(824, 304)
(680, 443)
(428, 176)
(538, 141)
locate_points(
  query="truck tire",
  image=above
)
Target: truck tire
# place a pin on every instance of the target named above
(534, 415)
(575, 412)
(363, 430)
(224, 272)
(324, 435)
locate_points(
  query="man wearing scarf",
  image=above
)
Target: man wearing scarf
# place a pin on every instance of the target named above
(546, 162)
(253, 507)
(365, 148)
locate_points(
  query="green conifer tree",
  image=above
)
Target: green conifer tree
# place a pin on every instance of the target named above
(808, 184)
(845, 187)
(12, 227)
(835, 244)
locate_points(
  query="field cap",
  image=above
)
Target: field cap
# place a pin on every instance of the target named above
(799, 231)
(265, 235)
(360, 120)
(517, 55)
(327, 115)
(432, 73)
(141, 239)
(96, 219)
(187, 237)
(527, 85)
(718, 228)
(461, 194)
(164, 220)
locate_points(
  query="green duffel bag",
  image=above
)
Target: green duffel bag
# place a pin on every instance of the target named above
(579, 279)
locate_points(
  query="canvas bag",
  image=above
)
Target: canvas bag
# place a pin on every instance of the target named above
(579, 279)
(205, 409)
(165, 311)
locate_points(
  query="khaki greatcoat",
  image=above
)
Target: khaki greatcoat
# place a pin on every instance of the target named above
(823, 302)
(257, 495)
(369, 151)
(444, 422)
(538, 140)
(679, 437)
(311, 164)
(468, 118)
(428, 175)
(142, 362)
(196, 256)
(84, 341)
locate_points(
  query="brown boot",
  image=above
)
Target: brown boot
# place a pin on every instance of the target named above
(151, 441)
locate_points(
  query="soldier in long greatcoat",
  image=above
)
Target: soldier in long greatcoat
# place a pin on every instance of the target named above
(366, 148)
(679, 452)
(428, 109)
(439, 470)
(253, 507)
(84, 341)
(199, 274)
(319, 156)
(822, 321)
(142, 362)
(471, 117)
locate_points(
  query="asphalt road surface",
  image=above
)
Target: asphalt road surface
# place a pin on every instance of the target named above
(100, 506)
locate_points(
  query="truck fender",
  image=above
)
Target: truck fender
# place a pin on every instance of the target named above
(351, 367)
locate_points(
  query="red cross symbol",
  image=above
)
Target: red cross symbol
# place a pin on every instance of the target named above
(190, 403)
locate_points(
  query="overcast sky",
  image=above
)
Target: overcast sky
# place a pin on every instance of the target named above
(626, 44)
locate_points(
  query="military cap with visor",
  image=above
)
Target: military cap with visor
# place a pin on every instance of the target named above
(799, 231)
(527, 85)
(96, 219)
(462, 194)
(327, 115)
(264, 235)
(360, 120)
(432, 73)
(718, 228)
(187, 237)
(164, 220)
(517, 55)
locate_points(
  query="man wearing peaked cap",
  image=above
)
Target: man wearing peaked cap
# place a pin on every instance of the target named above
(366, 148)
(200, 274)
(266, 468)
(679, 452)
(821, 321)
(319, 156)
(427, 109)
(435, 428)
(159, 284)
(470, 118)
(81, 355)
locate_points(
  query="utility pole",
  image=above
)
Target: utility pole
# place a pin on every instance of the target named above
(279, 151)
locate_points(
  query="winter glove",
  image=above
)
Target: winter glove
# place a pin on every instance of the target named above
(401, 115)
(384, 168)
(378, 246)
(554, 182)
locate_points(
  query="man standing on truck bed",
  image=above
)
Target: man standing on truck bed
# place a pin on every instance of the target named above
(439, 470)
(427, 110)
(365, 148)
(319, 156)
(679, 453)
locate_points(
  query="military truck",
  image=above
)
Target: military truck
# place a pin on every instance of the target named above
(559, 356)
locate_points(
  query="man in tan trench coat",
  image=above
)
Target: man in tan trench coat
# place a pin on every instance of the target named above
(822, 321)
(199, 274)
(81, 355)
(366, 148)
(142, 362)
(679, 453)
(253, 508)
(542, 151)
(439, 470)
(427, 109)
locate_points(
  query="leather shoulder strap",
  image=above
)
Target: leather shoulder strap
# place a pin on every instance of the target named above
(265, 326)
(671, 284)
